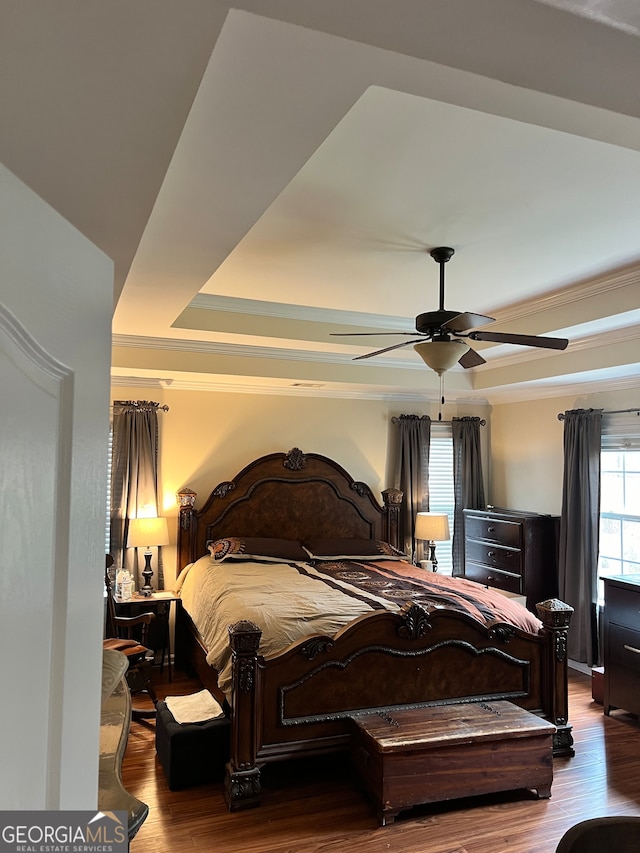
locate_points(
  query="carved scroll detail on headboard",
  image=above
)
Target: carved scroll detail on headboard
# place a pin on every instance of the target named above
(223, 489)
(295, 460)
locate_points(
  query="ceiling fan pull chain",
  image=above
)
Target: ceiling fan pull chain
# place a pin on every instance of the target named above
(441, 396)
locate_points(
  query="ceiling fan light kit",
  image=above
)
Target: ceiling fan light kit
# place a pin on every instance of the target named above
(441, 355)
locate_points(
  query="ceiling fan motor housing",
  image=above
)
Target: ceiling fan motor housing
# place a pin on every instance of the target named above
(431, 322)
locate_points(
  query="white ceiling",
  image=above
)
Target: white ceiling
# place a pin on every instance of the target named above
(266, 174)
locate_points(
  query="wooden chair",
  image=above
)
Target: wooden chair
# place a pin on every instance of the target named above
(119, 636)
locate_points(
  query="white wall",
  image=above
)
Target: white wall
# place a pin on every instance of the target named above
(56, 297)
(527, 448)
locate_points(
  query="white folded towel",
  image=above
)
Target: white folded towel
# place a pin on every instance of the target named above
(196, 708)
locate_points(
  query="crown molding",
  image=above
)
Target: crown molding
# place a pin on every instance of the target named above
(546, 390)
(576, 292)
(586, 342)
(584, 289)
(511, 394)
(283, 311)
(295, 389)
(251, 351)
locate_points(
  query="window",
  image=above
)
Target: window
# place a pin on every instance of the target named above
(619, 497)
(441, 492)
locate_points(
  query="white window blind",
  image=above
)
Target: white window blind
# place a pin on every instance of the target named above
(441, 492)
(620, 431)
(619, 551)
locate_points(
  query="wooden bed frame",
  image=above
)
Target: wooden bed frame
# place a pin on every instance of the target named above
(298, 703)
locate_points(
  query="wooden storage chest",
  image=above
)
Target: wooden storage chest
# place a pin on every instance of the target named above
(424, 755)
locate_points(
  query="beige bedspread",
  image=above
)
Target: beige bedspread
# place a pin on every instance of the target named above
(291, 601)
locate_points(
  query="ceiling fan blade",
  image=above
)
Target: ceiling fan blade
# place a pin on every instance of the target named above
(466, 320)
(388, 349)
(471, 359)
(366, 334)
(523, 340)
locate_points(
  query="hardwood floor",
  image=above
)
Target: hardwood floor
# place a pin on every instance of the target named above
(317, 807)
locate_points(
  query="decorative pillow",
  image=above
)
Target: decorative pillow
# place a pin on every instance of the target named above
(258, 550)
(351, 549)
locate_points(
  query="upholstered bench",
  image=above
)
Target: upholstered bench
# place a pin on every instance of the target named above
(424, 755)
(191, 753)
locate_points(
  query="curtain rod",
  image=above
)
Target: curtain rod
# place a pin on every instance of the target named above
(140, 405)
(482, 421)
(612, 412)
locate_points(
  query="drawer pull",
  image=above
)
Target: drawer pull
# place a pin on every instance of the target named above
(491, 529)
(632, 649)
(491, 553)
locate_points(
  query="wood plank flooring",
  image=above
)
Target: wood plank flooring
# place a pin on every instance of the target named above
(317, 807)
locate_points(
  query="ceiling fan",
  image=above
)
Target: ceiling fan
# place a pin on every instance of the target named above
(440, 344)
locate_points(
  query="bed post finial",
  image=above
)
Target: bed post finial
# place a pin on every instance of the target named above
(295, 459)
(555, 616)
(186, 500)
(392, 499)
(187, 525)
(242, 778)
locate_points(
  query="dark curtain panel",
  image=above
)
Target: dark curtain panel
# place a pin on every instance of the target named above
(134, 482)
(412, 475)
(580, 529)
(467, 480)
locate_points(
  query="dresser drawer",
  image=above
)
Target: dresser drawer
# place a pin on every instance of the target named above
(494, 530)
(509, 559)
(487, 576)
(623, 606)
(623, 647)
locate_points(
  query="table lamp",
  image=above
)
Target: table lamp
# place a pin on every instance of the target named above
(432, 527)
(147, 533)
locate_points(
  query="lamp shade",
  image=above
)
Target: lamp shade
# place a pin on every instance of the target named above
(441, 355)
(147, 532)
(432, 526)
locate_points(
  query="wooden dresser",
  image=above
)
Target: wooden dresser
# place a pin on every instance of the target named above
(622, 643)
(513, 551)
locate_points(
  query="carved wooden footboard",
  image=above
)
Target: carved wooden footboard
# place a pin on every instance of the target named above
(299, 702)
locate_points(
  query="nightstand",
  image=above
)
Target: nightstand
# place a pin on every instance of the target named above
(160, 603)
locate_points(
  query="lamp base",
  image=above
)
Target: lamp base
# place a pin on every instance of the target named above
(147, 573)
(432, 557)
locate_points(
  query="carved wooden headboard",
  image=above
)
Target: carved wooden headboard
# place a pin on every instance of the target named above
(292, 495)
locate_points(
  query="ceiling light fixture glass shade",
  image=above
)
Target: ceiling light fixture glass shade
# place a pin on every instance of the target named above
(441, 355)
